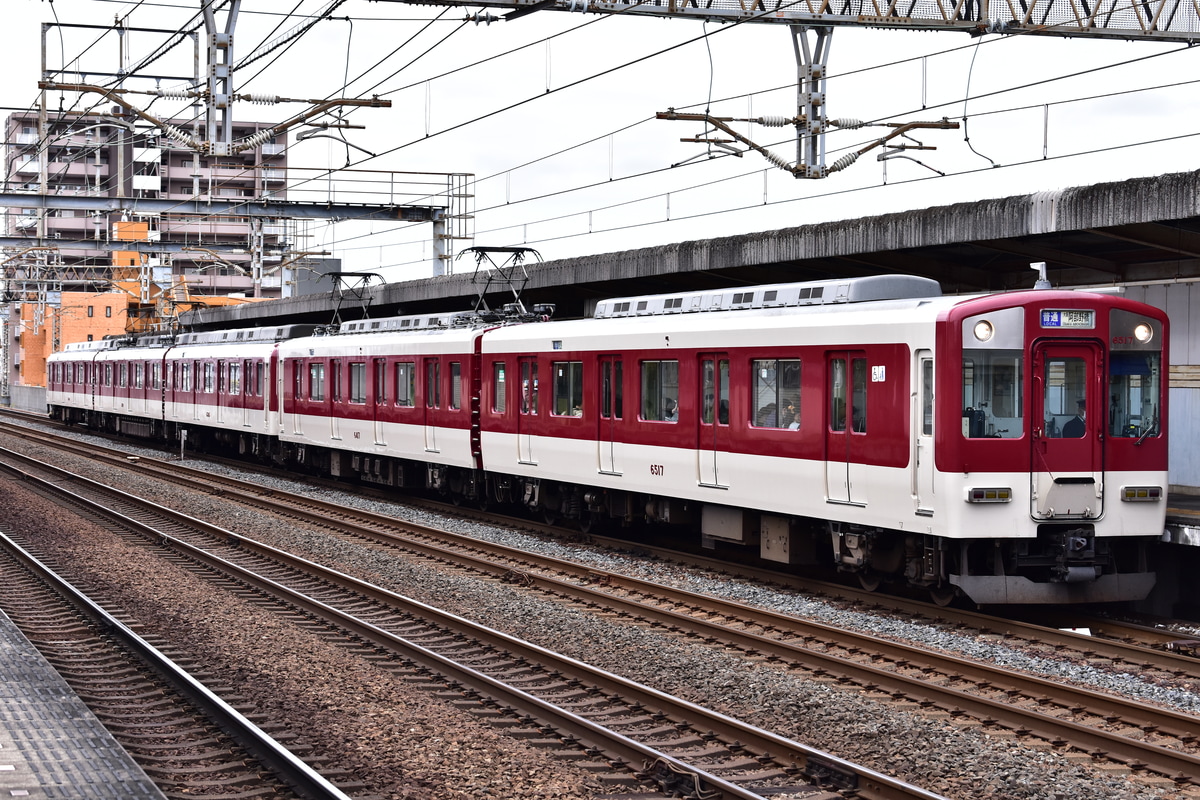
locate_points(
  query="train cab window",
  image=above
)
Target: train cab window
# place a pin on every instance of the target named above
(433, 384)
(660, 391)
(992, 394)
(406, 384)
(568, 389)
(499, 387)
(358, 382)
(776, 386)
(316, 381)
(235, 379)
(1134, 388)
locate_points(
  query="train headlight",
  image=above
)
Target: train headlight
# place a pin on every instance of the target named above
(996, 495)
(1143, 332)
(1141, 494)
(984, 330)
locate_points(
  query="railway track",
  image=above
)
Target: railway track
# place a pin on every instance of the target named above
(655, 738)
(1135, 646)
(188, 740)
(1100, 724)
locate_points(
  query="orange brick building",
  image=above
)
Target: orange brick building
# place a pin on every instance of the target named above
(83, 317)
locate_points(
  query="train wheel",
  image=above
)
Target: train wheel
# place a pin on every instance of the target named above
(869, 581)
(943, 595)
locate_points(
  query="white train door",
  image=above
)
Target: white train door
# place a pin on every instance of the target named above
(1067, 469)
(845, 432)
(611, 412)
(379, 375)
(527, 412)
(713, 448)
(433, 402)
(923, 428)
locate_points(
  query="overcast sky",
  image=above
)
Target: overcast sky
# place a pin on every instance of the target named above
(572, 164)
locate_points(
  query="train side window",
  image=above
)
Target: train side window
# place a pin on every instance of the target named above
(298, 380)
(235, 378)
(660, 390)
(380, 381)
(316, 381)
(776, 393)
(122, 376)
(837, 394)
(108, 374)
(927, 397)
(568, 389)
(156, 375)
(210, 377)
(406, 384)
(499, 387)
(186, 381)
(529, 387)
(858, 405)
(848, 391)
(455, 385)
(358, 382)
(433, 384)
(335, 380)
(612, 400)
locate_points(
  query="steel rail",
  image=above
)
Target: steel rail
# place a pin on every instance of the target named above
(906, 656)
(1181, 662)
(870, 784)
(271, 753)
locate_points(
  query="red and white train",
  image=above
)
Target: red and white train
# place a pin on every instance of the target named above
(1010, 447)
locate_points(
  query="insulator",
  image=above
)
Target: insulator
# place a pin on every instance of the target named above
(256, 139)
(776, 122)
(777, 161)
(844, 162)
(175, 94)
(262, 99)
(847, 123)
(177, 134)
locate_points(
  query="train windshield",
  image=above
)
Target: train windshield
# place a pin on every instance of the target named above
(1134, 388)
(992, 406)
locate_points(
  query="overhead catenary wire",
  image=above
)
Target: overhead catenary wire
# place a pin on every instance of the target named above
(948, 103)
(406, 145)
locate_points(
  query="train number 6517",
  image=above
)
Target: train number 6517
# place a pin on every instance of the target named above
(656, 469)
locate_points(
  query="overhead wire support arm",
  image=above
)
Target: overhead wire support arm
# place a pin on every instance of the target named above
(248, 143)
(800, 170)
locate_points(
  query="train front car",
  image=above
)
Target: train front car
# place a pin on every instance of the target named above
(1050, 446)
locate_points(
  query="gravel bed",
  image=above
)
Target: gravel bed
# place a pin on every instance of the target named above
(955, 760)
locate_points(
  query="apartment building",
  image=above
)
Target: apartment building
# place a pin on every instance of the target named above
(98, 155)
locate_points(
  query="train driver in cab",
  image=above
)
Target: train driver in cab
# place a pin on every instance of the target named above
(1074, 428)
